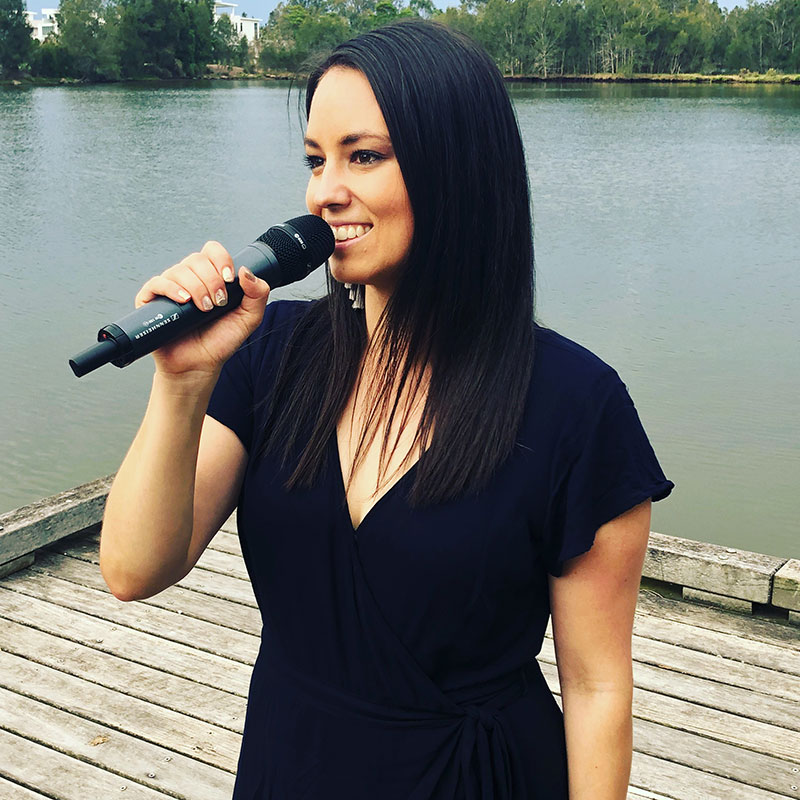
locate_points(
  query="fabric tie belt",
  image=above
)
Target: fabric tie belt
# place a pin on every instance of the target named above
(479, 760)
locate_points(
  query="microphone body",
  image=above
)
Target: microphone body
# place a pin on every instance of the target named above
(284, 254)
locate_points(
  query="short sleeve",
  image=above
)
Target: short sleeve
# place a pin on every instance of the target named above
(610, 468)
(249, 373)
(232, 399)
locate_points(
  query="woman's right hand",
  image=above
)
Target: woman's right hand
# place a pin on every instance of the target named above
(201, 278)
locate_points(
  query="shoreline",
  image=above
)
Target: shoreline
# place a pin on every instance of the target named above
(739, 79)
(736, 580)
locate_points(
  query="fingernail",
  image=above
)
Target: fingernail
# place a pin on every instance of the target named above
(184, 295)
(221, 297)
(227, 274)
(249, 275)
(207, 304)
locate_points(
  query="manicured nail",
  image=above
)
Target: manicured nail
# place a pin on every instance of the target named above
(207, 304)
(249, 275)
(183, 294)
(221, 297)
(227, 274)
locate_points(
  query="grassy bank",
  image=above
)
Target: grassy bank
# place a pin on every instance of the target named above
(237, 73)
(687, 77)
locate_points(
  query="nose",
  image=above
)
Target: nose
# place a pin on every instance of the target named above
(328, 187)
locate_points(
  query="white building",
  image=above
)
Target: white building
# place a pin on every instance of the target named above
(44, 26)
(244, 26)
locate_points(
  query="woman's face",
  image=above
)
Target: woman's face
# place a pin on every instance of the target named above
(356, 185)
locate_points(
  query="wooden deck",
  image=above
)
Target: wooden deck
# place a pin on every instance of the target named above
(101, 699)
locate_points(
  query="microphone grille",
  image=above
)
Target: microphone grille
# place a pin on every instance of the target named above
(301, 244)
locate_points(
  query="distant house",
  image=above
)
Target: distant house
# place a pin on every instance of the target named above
(244, 25)
(44, 26)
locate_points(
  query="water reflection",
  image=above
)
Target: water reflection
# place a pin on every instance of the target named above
(666, 241)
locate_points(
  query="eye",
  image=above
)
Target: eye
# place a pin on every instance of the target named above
(365, 157)
(312, 162)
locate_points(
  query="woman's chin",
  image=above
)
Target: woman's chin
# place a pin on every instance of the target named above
(342, 275)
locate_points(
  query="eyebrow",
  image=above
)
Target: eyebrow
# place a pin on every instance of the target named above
(352, 138)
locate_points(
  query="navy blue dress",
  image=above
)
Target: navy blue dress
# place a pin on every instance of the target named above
(397, 661)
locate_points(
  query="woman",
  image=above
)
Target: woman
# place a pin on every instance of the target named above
(419, 483)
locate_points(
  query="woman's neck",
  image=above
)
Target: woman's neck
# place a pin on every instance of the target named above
(375, 300)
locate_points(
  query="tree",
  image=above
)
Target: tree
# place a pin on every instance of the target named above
(501, 26)
(224, 41)
(85, 32)
(783, 34)
(49, 59)
(199, 48)
(242, 54)
(295, 34)
(15, 36)
(423, 8)
(163, 38)
(546, 30)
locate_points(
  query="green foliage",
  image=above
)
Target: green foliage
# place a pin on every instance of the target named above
(49, 59)
(86, 35)
(624, 37)
(296, 34)
(15, 36)
(109, 39)
(164, 38)
(224, 42)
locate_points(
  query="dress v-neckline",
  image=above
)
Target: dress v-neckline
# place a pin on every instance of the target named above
(343, 491)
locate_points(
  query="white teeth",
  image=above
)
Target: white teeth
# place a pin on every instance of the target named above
(344, 232)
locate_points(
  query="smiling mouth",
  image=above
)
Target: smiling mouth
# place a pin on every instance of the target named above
(344, 233)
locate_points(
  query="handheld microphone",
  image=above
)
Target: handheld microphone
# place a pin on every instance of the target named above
(284, 254)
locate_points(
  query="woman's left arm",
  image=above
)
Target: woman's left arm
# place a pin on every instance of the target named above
(593, 604)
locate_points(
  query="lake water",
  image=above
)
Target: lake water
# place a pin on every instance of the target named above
(667, 241)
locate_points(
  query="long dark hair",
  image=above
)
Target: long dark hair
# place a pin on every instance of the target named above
(462, 306)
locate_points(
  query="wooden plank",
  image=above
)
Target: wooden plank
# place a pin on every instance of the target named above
(230, 524)
(721, 726)
(30, 527)
(728, 671)
(16, 564)
(137, 760)
(717, 643)
(786, 589)
(716, 668)
(652, 603)
(717, 758)
(223, 540)
(227, 542)
(224, 563)
(61, 777)
(733, 699)
(203, 741)
(214, 560)
(678, 782)
(13, 791)
(201, 580)
(701, 565)
(206, 636)
(731, 728)
(152, 685)
(706, 755)
(144, 648)
(717, 600)
(642, 794)
(188, 603)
